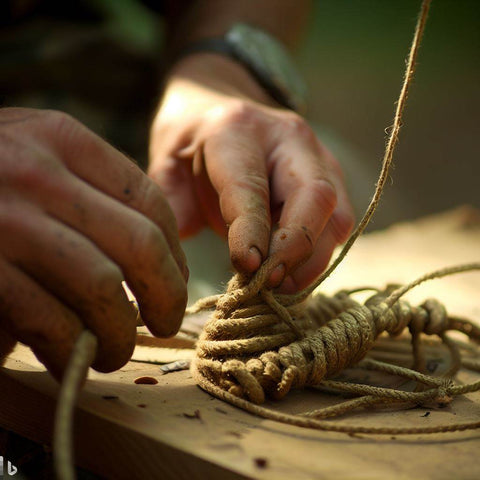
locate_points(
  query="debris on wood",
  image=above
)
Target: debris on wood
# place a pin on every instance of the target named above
(261, 462)
(195, 414)
(175, 366)
(146, 381)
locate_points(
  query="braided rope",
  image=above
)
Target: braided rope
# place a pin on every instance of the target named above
(247, 352)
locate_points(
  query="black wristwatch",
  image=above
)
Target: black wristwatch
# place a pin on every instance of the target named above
(264, 57)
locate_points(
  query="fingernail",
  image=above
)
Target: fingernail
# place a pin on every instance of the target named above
(254, 259)
(276, 276)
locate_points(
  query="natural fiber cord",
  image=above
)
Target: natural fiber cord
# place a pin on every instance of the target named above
(75, 374)
(246, 354)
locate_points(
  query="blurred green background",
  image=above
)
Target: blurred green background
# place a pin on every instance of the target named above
(353, 61)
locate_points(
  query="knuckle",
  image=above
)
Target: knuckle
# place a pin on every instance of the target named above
(28, 167)
(16, 218)
(67, 136)
(343, 222)
(238, 111)
(167, 175)
(148, 245)
(27, 161)
(58, 120)
(249, 194)
(149, 197)
(297, 126)
(323, 193)
(144, 194)
(333, 164)
(256, 184)
(37, 171)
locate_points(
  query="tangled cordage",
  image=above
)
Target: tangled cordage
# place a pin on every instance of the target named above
(245, 349)
(258, 344)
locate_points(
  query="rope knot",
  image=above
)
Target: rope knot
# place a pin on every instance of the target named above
(430, 318)
(443, 397)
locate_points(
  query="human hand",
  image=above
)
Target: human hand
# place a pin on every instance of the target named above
(77, 218)
(226, 156)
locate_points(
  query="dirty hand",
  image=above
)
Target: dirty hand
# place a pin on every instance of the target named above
(77, 218)
(226, 156)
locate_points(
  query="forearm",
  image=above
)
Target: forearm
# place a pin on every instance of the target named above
(193, 20)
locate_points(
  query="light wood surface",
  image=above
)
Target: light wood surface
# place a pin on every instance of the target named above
(173, 430)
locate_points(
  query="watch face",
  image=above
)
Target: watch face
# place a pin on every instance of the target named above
(270, 63)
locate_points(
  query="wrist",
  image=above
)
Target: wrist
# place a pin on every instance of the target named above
(264, 57)
(222, 74)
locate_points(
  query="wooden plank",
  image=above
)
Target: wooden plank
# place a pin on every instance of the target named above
(175, 430)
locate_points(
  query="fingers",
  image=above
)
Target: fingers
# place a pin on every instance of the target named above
(138, 233)
(77, 218)
(174, 177)
(36, 318)
(129, 240)
(264, 163)
(306, 273)
(76, 272)
(236, 168)
(335, 232)
(208, 200)
(302, 184)
(102, 166)
(315, 214)
(171, 170)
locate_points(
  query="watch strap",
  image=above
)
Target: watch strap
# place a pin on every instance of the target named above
(222, 46)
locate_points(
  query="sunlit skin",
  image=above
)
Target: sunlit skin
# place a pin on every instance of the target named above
(228, 157)
(77, 218)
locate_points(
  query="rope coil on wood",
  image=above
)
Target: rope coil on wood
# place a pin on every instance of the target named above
(247, 352)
